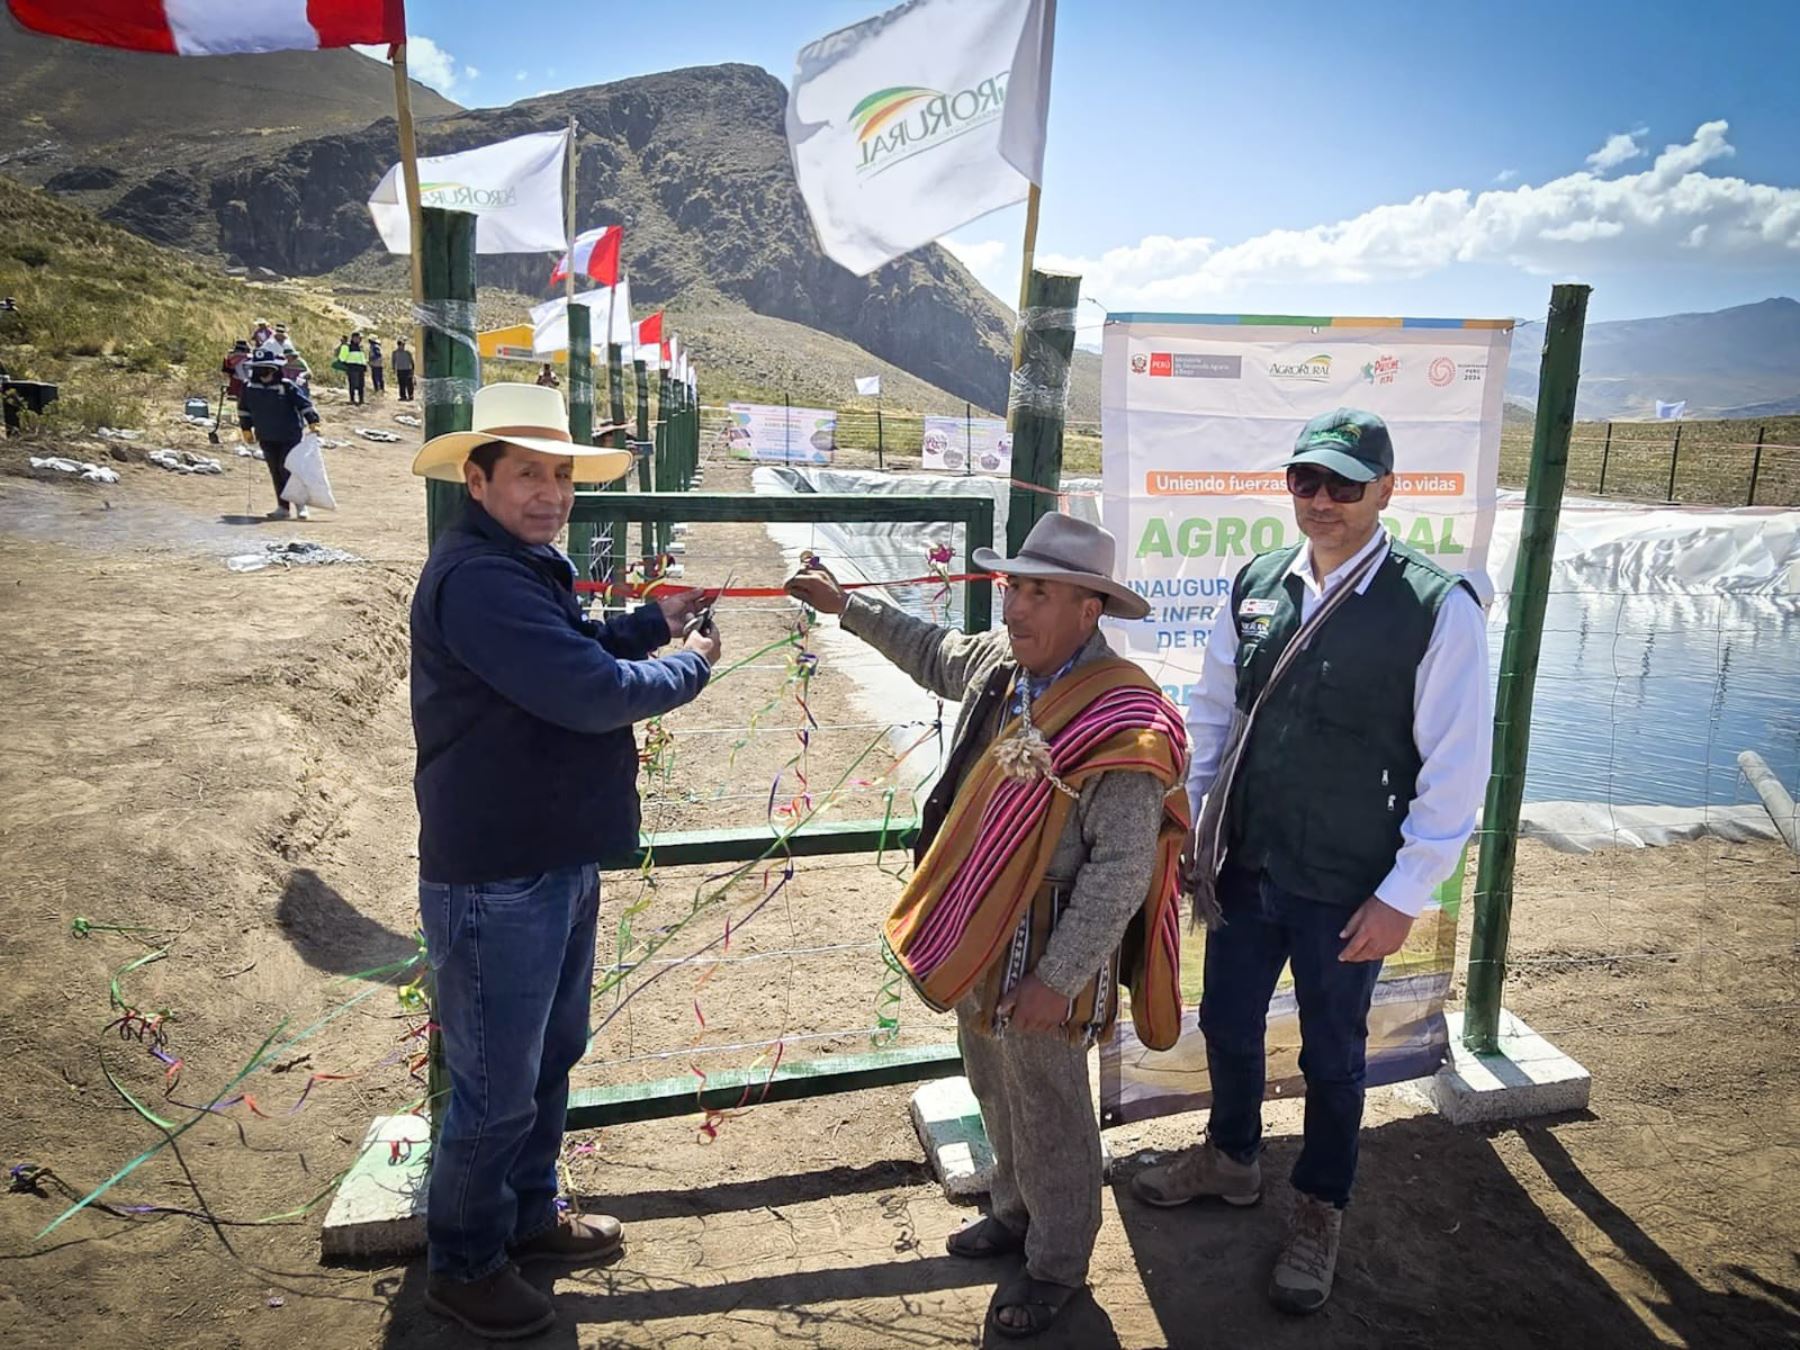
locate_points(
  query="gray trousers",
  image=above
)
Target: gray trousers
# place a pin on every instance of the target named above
(1039, 1114)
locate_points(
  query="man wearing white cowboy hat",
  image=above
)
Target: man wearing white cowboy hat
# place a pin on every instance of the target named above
(1049, 843)
(526, 786)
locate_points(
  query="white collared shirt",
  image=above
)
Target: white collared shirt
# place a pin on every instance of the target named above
(1452, 728)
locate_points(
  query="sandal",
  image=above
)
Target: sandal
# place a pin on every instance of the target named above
(1040, 1300)
(982, 1239)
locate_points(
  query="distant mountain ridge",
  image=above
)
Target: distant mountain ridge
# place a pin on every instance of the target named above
(694, 163)
(1737, 362)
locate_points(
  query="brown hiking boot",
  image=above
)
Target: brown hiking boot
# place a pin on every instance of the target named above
(1198, 1172)
(574, 1239)
(1301, 1281)
(501, 1306)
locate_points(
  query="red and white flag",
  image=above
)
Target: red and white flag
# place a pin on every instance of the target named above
(216, 27)
(596, 256)
(646, 340)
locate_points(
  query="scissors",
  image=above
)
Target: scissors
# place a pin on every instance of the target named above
(702, 621)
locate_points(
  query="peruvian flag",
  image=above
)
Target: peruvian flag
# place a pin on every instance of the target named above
(596, 256)
(647, 331)
(216, 27)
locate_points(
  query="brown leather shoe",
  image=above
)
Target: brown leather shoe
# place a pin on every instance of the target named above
(502, 1306)
(575, 1239)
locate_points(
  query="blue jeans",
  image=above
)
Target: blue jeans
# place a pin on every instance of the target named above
(1266, 926)
(514, 962)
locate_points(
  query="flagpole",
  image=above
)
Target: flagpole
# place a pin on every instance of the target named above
(409, 174)
(569, 213)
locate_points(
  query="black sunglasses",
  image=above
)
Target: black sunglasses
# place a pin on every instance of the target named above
(1305, 480)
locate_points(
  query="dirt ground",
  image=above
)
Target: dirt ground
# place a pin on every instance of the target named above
(222, 761)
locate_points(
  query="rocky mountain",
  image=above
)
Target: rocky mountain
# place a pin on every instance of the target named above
(1738, 362)
(693, 162)
(61, 100)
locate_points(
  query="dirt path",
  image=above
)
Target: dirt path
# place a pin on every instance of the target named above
(224, 760)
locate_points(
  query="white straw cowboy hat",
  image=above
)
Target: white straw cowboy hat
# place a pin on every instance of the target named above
(1061, 548)
(527, 416)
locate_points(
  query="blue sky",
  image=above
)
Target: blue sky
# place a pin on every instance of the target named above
(1373, 159)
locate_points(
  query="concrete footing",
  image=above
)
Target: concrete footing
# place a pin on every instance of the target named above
(379, 1208)
(1527, 1077)
(948, 1120)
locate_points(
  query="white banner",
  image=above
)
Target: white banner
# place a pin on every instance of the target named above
(515, 186)
(966, 445)
(550, 320)
(1197, 415)
(781, 435)
(912, 123)
(868, 386)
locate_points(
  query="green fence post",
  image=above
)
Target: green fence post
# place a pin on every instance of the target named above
(581, 420)
(645, 467)
(1755, 468)
(1558, 376)
(447, 356)
(1605, 454)
(446, 246)
(665, 452)
(1040, 388)
(615, 388)
(1674, 458)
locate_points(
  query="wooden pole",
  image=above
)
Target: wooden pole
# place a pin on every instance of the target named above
(409, 177)
(880, 446)
(1605, 454)
(569, 182)
(444, 258)
(1037, 418)
(1674, 459)
(1755, 467)
(1558, 377)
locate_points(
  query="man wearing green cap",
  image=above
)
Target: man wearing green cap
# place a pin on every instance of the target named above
(1340, 731)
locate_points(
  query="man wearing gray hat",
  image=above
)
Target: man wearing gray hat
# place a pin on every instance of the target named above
(1047, 874)
(1341, 729)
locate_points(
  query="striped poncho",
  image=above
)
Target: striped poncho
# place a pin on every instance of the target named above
(977, 881)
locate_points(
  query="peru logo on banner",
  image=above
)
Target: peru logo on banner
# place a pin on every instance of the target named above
(596, 256)
(216, 27)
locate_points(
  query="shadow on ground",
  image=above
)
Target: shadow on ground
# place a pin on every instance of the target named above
(330, 933)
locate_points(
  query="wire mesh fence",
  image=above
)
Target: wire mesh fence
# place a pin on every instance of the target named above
(1726, 463)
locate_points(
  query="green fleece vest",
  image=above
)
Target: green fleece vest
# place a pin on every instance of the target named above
(1331, 768)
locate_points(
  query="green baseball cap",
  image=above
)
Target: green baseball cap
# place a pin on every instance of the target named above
(1349, 442)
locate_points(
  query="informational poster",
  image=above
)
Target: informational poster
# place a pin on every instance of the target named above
(781, 435)
(1198, 413)
(967, 445)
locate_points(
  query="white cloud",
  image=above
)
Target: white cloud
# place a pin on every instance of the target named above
(427, 63)
(1619, 147)
(521, 75)
(1506, 175)
(1669, 212)
(472, 73)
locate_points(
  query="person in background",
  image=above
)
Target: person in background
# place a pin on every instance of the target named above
(232, 368)
(260, 333)
(403, 369)
(355, 362)
(547, 377)
(526, 783)
(275, 413)
(377, 366)
(1341, 729)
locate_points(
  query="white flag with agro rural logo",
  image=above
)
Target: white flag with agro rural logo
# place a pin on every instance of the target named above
(515, 186)
(919, 120)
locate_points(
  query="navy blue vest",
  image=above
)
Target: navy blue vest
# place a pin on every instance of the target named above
(502, 793)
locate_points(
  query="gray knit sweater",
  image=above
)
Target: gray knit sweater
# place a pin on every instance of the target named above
(1108, 846)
